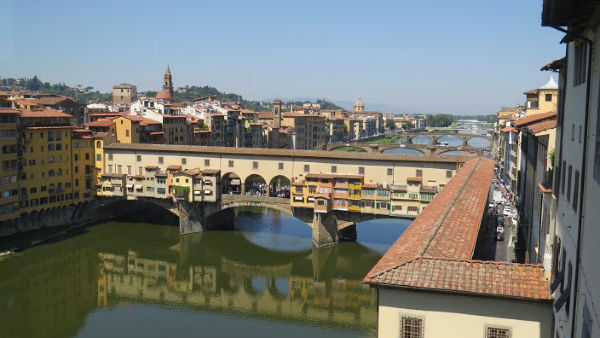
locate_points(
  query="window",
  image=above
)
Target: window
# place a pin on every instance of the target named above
(126, 132)
(76, 157)
(207, 163)
(361, 170)
(579, 133)
(87, 156)
(576, 190)
(98, 144)
(333, 169)
(230, 163)
(280, 165)
(76, 168)
(306, 168)
(419, 173)
(255, 165)
(183, 160)
(548, 97)
(99, 157)
(119, 168)
(580, 64)
(390, 172)
(110, 157)
(412, 209)
(564, 170)
(160, 160)
(448, 173)
(139, 158)
(411, 327)
(128, 170)
(569, 183)
(496, 332)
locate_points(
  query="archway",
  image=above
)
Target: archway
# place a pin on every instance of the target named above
(231, 184)
(256, 185)
(279, 187)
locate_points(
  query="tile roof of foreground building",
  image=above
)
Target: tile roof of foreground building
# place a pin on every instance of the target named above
(534, 118)
(542, 126)
(435, 252)
(288, 152)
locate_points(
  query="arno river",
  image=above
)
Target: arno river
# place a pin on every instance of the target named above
(261, 279)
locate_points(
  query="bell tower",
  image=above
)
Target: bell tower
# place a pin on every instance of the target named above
(168, 81)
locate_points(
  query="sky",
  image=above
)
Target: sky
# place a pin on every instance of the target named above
(458, 57)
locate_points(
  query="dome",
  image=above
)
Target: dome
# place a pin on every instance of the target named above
(551, 84)
(359, 103)
(164, 94)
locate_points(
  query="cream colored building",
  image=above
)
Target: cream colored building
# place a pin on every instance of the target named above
(543, 99)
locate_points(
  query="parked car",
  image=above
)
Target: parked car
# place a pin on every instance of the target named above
(491, 205)
(500, 220)
(507, 212)
(499, 237)
(500, 229)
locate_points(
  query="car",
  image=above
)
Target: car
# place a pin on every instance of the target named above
(507, 212)
(491, 205)
(500, 229)
(500, 237)
(500, 220)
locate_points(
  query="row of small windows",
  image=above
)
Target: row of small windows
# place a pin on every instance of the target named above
(413, 327)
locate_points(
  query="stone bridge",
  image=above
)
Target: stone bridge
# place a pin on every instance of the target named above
(426, 149)
(327, 228)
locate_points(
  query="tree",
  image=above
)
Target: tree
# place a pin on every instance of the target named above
(440, 120)
(33, 84)
(390, 124)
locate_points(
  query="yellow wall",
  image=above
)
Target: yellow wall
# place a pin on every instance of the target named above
(9, 206)
(446, 315)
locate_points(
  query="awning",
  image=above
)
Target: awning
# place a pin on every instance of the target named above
(208, 192)
(298, 199)
(138, 186)
(130, 185)
(197, 192)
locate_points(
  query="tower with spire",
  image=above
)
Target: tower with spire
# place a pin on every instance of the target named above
(166, 94)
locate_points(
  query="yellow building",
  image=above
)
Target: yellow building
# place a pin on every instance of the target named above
(9, 199)
(174, 129)
(126, 129)
(543, 99)
(308, 129)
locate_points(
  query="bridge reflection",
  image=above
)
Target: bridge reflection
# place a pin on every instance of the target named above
(320, 286)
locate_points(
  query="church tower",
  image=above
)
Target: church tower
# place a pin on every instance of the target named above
(277, 113)
(166, 93)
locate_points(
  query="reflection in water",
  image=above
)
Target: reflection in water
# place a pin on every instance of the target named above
(454, 152)
(402, 151)
(478, 142)
(453, 141)
(421, 139)
(83, 285)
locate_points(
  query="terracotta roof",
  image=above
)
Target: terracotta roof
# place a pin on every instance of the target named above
(507, 129)
(174, 167)
(211, 171)
(10, 111)
(534, 118)
(160, 174)
(151, 167)
(435, 252)
(164, 94)
(530, 92)
(157, 133)
(542, 126)
(369, 186)
(99, 123)
(114, 175)
(51, 100)
(289, 152)
(414, 179)
(139, 177)
(52, 127)
(544, 188)
(44, 113)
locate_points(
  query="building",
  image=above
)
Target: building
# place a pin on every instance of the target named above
(431, 283)
(575, 275)
(543, 99)
(166, 94)
(537, 139)
(10, 164)
(359, 106)
(124, 94)
(308, 130)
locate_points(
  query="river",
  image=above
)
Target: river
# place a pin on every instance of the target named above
(263, 278)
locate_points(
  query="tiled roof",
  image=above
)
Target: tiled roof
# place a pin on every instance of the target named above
(507, 129)
(99, 123)
(10, 111)
(435, 252)
(414, 179)
(211, 171)
(51, 100)
(530, 92)
(288, 152)
(174, 167)
(44, 113)
(534, 118)
(542, 126)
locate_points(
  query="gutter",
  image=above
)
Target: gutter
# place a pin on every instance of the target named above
(590, 44)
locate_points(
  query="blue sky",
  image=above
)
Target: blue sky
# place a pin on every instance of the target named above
(468, 57)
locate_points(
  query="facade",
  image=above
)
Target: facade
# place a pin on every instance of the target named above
(166, 94)
(124, 94)
(308, 130)
(543, 99)
(45, 162)
(575, 275)
(431, 284)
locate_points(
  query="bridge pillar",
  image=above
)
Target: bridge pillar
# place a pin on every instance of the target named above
(192, 216)
(324, 229)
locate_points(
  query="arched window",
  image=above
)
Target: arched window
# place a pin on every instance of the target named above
(51, 173)
(98, 144)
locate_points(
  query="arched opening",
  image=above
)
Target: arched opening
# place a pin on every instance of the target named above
(279, 187)
(231, 184)
(256, 185)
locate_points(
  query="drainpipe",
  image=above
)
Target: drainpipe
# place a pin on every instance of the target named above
(590, 44)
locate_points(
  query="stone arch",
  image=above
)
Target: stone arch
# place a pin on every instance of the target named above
(255, 184)
(231, 183)
(279, 186)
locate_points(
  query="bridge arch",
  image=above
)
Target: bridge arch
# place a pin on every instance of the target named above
(231, 183)
(255, 184)
(279, 186)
